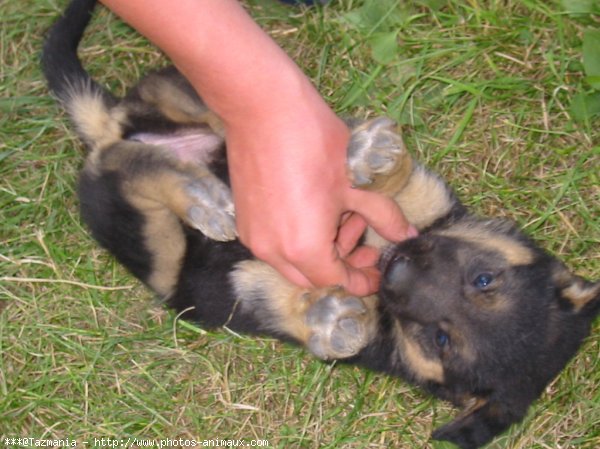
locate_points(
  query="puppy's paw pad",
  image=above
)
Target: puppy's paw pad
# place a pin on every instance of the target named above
(211, 210)
(339, 327)
(374, 149)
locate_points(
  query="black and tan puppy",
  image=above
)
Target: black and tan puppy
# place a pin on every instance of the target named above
(471, 310)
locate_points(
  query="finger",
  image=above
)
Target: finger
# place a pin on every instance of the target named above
(358, 280)
(288, 271)
(349, 233)
(293, 275)
(314, 264)
(362, 282)
(358, 275)
(363, 257)
(383, 214)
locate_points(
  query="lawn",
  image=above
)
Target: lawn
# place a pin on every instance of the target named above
(502, 97)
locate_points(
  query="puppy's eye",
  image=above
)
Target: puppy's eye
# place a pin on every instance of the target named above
(442, 339)
(483, 280)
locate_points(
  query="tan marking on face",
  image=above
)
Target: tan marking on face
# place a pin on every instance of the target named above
(494, 302)
(573, 288)
(580, 294)
(422, 367)
(513, 252)
(462, 346)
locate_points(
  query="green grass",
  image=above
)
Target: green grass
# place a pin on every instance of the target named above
(487, 92)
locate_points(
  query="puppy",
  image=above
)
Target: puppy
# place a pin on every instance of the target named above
(471, 310)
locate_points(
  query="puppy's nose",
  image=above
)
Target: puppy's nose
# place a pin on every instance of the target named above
(399, 273)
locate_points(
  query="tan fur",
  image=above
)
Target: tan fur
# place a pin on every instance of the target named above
(214, 121)
(394, 181)
(166, 242)
(471, 405)
(287, 304)
(573, 288)
(579, 294)
(176, 104)
(159, 195)
(157, 190)
(162, 185)
(463, 345)
(98, 126)
(162, 230)
(424, 368)
(492, 302)
(514, 252)
(424, 199)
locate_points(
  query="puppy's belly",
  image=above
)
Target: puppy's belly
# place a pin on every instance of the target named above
(190, 145)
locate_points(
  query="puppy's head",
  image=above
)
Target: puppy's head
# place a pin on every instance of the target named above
(485, 319)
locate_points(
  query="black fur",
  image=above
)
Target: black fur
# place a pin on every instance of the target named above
(64, 72)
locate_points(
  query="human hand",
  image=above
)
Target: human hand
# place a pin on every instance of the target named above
(295, 207)
(294, 204)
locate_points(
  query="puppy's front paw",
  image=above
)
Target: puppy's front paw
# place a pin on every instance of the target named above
(374, 151)
(340, 326)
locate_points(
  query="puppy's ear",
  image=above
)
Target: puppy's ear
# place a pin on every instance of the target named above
(478, 424)
(582, 295)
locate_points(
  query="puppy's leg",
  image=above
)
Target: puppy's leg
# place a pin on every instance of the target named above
(152, 179)
(378, 161)
(168, 94)
(329, 322)
(135, 197)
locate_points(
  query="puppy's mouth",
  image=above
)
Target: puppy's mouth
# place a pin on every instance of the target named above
(391, 255)
(387, 255)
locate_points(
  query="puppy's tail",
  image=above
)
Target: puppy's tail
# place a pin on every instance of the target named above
(90, 106)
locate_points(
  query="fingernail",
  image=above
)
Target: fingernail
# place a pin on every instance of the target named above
(412, 232)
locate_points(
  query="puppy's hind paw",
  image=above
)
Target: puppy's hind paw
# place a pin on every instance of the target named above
(211, 209)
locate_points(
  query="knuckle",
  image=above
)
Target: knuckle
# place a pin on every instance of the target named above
(299, 252)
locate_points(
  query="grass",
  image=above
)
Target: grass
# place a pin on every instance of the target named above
(486, 91)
